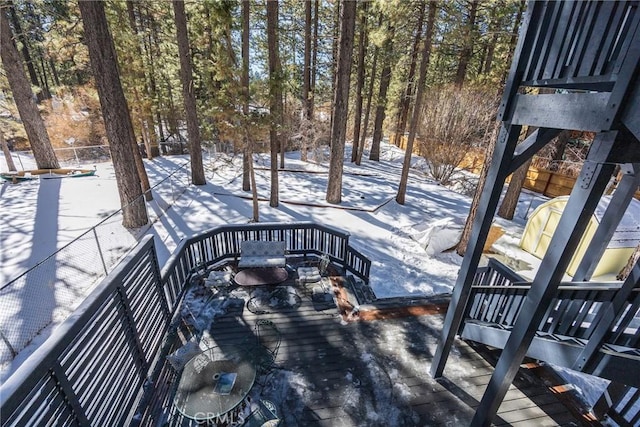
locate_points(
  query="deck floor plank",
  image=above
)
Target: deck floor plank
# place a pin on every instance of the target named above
(375, 373)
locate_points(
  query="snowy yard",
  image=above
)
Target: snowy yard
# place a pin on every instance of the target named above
(41, 216)
(404, 242)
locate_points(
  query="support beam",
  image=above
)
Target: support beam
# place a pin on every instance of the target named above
(577, 111)
(531, 145)
(609, 223)
(584, 198)
(630, 117)
(526, 41)
(498, 172)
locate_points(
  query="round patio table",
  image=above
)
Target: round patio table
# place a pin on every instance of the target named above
(209, 389)
(261, 276)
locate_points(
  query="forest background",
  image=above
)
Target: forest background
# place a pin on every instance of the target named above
(256, 76)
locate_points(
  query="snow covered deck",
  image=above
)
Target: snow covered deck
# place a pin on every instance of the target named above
(334, 369)
(341, 362)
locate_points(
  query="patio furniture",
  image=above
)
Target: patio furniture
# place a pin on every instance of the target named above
(266, 415)
(261, 276)
(313, 273)
(322, 297)
(210, 388)
(258, 253)
(265, 300)
(179, 358)
(323, 264)
(266, 350)
(308, 275)
(218, 280)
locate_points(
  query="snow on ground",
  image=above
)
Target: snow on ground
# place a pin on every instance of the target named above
(42, 216)
(404, 242)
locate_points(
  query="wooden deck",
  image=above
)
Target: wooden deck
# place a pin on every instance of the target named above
(333, 372)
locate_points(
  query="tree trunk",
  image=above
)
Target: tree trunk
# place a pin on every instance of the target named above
(151, 45)
(633, 260)
(275, 96)
(142, 172)
(510, 201)
(247, 157)
(561, 145)
(23, 96)
(381, 108)
(467, 47)
(145, 110)
(417, 107)
(405, 101)
(367, 111)
(461, 247)
(186, 76)
(46, 92)
(54, 72)
(314, 59)
(306, 82)
(341, 100)
(6, 152)
(114, 112)
(491, 48)
(252, 174)
(31, 69)
(172, 119)
(144, 179)
(362, 52)
(248, 144)
(334, 57)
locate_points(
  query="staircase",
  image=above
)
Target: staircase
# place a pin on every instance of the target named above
(583, 328)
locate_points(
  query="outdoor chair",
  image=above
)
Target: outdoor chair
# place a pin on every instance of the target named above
(314, 274)
(265, 415)
(324, 264)
(309, 275)
(268, 339)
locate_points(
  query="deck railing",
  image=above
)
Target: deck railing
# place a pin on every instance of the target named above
(223, 243)
(94, 368)
(498, 294)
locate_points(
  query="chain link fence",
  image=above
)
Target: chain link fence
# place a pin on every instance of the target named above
(46, 294)
(72, 157)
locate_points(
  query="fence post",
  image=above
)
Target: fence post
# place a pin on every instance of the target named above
(345, 256)
(20, 160)
(104, 264)
(170, 179)
(14, 353)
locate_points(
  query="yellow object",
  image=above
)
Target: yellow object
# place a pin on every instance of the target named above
(544, 221)
(495, 232)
